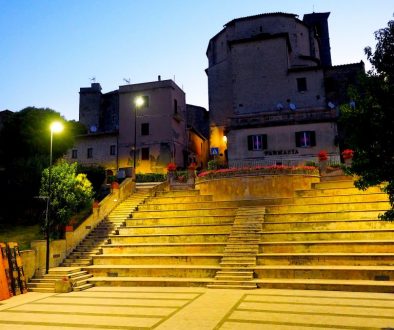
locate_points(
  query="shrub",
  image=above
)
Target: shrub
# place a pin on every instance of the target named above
(150, 177)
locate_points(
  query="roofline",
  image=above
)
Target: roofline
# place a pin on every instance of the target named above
(260, 15)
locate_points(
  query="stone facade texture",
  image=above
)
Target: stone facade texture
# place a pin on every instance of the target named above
(269, 64)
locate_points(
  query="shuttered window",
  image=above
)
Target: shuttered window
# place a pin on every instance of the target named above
(257, 142)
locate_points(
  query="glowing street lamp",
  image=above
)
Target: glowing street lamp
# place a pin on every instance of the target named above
(56, 127)
(139, 102)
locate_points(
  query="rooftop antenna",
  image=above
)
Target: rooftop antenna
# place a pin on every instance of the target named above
(93, 79)
(127, 80)
(313, 7)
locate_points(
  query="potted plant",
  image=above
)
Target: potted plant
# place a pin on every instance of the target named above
(347, 155)
(191, 172)
(171, 167)
(323, 158)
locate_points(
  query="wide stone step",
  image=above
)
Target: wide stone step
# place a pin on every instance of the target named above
(83, 287)
(377, 234)
(236, 285)
(334, 207)
(192, 228)
(150, 281)
(351, 246)
(177, 258)
(350, 259)
(359, 198)
(333, 184)
(155, 271)
(41, 290)
(179, 199)
(212, 247)
(41, 284)
(181, 220)
(328, 215)
(184, 213)
(169, 238)
(325, 284)
(337, 192)
(328, 225)
(175, 205)
(372, 273)
(177, 193)
(64, 271)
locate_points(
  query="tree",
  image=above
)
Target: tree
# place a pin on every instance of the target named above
(69, 192)
(370, 124)
(24, 150)
(96, 175)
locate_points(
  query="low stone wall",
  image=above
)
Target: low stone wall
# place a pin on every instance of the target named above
(254, 187)
(34, 260)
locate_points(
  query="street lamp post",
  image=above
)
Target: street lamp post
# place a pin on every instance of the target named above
(139, 101)
(55, 127)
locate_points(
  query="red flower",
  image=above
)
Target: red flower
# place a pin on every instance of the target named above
(322, 155)
(192, 166)
(171, 167)
(347, 154)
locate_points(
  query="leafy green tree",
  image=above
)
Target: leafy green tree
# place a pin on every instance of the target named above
(370, 124)
(96, 175)
(24, 150)
(69, 192)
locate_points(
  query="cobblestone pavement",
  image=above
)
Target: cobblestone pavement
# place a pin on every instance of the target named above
(197, 308)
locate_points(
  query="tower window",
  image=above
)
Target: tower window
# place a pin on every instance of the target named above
(145, 129)
(144, 153)
(301, 84)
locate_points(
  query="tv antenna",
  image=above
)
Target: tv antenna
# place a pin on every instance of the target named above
(127, 80)
(93, 79)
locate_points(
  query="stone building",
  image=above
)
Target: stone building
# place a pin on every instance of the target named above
(158, 128)
(198, 135)
(267, 90)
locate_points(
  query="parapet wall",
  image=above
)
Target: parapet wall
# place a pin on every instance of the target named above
(254, 187)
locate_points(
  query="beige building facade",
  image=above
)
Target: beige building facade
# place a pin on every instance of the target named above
(96, 149)
(151, 134)
(160, 124)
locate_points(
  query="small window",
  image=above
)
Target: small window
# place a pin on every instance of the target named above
(144, 153)
(175, 106)
(301, 84)
(146, 101)
(90, 153)
(305, 139)
(145, 129)
(257, 142)
(74, 154)
(112, 150)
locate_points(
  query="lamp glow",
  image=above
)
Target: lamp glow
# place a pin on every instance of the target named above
(139, 101)
(56, 127)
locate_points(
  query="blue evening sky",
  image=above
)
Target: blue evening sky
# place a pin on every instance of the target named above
(51, 48)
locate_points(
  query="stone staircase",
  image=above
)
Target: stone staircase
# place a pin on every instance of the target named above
(90, 246)
(239, 260)
(77, 278)
(325, 238)
(176, 238)
(328, 238)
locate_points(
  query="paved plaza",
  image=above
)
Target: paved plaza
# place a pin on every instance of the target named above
(197, 308)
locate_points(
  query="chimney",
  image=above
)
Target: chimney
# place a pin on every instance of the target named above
(159, 77)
